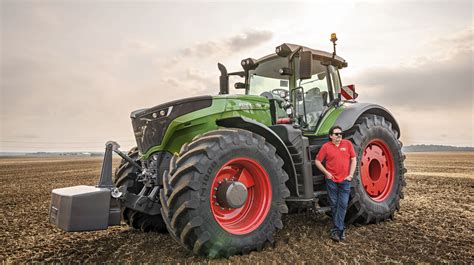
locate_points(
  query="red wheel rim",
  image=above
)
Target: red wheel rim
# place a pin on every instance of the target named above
(377, 170)
(247, 218)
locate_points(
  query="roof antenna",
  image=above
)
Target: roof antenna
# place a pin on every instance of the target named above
(334, 39)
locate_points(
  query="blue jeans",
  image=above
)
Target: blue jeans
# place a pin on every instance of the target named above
(338, 194)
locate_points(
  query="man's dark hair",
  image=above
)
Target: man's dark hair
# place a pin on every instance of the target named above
(331, 130)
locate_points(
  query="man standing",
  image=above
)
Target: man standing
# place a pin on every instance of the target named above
(339, 170)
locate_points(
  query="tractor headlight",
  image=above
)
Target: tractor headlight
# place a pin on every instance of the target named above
(283, 50)
(249, 64)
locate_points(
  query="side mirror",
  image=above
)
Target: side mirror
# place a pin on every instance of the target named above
(240, 85)
(306, 60)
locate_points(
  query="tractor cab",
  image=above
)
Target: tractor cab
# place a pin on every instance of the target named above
(302, 82)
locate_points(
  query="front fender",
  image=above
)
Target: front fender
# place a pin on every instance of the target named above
(272, 138)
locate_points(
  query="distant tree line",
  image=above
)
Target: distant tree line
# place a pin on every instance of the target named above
(66, 154)
(435, 148)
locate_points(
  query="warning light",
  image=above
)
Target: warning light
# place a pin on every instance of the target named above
(333, 37)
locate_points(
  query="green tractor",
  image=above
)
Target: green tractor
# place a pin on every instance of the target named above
(218, 172)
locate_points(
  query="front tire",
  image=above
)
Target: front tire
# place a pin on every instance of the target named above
(191, 205)
(377, 187)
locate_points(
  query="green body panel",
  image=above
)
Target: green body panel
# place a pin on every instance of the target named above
(248, 106)
(184, 128)
(328, 121)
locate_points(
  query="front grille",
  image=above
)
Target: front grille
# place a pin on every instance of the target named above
(149, 132)
(150, 125)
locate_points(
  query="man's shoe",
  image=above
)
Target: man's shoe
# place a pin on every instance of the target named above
(335, 236)
(343, 236)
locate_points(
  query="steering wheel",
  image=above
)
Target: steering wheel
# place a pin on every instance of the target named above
(282, 93)
(279, 95)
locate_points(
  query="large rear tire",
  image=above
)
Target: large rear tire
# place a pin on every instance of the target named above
(191, 195)
(378, 184)
(126, 175)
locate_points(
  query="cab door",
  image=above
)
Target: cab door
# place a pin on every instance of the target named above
(312, 95)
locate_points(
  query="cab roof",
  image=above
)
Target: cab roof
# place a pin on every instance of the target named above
(317, 55)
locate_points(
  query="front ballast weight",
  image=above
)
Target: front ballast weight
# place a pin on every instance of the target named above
(90, 208)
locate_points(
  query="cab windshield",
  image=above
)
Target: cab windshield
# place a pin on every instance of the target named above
(266, 77)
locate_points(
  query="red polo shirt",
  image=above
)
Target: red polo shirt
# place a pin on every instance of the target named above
(338, 158)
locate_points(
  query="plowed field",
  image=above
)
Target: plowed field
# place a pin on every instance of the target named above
(435, 223)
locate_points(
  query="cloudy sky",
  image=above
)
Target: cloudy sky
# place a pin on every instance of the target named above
(72, 71)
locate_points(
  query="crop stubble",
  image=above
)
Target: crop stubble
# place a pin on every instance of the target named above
(435, 223)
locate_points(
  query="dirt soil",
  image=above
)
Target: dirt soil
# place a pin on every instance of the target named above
(435, 223)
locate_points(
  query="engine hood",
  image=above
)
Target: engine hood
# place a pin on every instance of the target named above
(150, 125)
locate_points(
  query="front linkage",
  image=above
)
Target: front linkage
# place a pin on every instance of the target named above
(88, 208)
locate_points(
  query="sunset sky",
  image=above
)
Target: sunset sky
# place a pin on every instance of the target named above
(72, 71)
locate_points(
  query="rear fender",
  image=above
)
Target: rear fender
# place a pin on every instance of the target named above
(352, 112)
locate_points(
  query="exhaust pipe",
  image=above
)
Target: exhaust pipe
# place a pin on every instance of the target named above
(223, 80)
